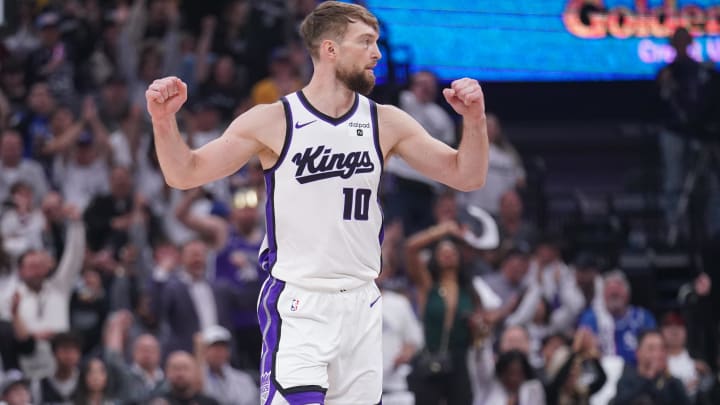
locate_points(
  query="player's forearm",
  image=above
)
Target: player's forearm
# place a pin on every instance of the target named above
(472, 156)
(175, 157)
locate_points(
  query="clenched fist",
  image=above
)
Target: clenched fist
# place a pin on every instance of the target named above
(466, 97)
(165, 97)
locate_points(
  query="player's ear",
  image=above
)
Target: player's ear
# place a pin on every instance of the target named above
(329, 48)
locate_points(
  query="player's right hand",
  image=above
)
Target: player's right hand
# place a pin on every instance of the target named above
(165, 97)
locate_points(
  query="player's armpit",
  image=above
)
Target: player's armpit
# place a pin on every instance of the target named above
(262, 128)
(400, 134)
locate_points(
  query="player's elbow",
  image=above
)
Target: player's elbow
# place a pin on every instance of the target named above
(471, 183)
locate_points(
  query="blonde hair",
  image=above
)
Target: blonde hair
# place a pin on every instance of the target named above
(330, 19)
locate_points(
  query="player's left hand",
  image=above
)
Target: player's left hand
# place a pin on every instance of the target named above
(466, 98)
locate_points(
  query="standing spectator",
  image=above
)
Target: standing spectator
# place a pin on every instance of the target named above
(82, 171)
(446, 304)
(557, 282)
(15, 340)
(515, 230)
(680, 365)
(52, 61)
(15, 389)
(44, 299)
(569, 379)
(650, 382)
(225, 384)
(61, 386)
(414, 193)
(618, 324)
(14, 168)
(35, 122)
(687, 92)
(505, 171)
(109, 217)
(95, 385)
(402, 338)
(182, 374)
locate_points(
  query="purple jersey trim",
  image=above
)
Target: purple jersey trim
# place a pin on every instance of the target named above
(330, 120)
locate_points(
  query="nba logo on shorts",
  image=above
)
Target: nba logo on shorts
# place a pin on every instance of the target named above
(295, 304)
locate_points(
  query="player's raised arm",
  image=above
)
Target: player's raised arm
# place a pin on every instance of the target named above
(184, 168)
(464, 169)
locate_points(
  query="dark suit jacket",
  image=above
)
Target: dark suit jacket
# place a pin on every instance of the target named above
(176, 311)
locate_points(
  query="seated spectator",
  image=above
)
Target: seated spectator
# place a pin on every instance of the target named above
(62, 385)
(237, 242)
(95, 385)
(221, 382)
(650, 381)
(188, 302)
(22, 224)
(515, 230)
(680, 364)
(575, 375)
(510, 380)
(143, 378)
(15, 389)
(89, 306)
(183, 375)
(284, 79)
(618, 324)
(14, 168)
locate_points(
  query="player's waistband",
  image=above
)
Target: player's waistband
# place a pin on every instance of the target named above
(361, 284)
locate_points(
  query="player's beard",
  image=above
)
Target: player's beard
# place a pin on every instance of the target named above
(359, 81)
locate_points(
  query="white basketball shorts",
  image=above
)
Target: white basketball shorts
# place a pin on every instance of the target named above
(320, 347)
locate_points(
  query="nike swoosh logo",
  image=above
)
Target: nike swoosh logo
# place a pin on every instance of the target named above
(298, 125)
(375, 301)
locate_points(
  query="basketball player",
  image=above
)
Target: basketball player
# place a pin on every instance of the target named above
(323, 149)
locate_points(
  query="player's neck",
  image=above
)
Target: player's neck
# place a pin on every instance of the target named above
(328, 95)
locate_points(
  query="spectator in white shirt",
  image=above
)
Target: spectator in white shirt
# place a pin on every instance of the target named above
(14, 168)
(222, 382)
(680, 364)
(505, 171)
(23, 223)
(45, 300)
(402, 338)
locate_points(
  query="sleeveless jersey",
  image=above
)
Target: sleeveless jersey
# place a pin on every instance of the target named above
(324, 221)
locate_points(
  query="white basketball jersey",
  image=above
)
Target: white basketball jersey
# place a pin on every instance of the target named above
(324, 221)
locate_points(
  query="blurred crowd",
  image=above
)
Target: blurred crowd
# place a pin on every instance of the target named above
(116, 289)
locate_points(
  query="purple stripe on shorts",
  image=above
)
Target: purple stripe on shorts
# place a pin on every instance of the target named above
(269, 319)
(304, 398)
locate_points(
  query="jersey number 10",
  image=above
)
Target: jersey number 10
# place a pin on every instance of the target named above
(360, 199)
